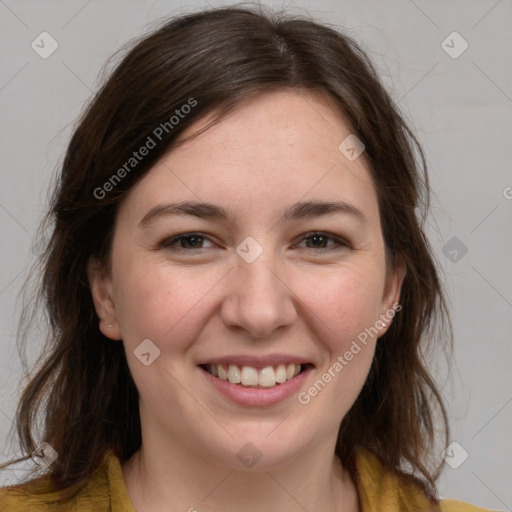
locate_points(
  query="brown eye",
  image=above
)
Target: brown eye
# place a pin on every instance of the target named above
(318, 242)
(186, 242)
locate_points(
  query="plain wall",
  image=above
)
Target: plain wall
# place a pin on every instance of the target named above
(460, 109)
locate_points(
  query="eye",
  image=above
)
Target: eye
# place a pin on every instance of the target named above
(186, 241)
(193, 242)
(319, 239)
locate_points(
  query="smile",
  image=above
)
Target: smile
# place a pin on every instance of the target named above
(248, 376)
(261, 385)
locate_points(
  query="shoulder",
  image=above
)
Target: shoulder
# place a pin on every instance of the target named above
(104, 491)
(382, 489)
(38, 495)
(459, 506)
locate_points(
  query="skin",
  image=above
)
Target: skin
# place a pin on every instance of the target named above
(279, 148)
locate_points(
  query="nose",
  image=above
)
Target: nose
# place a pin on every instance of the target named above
(258, 298)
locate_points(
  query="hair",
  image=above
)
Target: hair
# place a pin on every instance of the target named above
(217, 60)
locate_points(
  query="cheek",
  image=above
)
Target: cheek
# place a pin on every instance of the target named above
(165, 307)
(346, 301)
(347, 307)
(160, 303)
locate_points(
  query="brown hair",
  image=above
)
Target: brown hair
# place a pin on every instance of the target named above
(216, 60)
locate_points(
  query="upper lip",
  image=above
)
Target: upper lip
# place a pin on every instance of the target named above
(256, 361)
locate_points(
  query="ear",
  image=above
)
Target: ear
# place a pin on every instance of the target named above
(101, 289)
(391, 297)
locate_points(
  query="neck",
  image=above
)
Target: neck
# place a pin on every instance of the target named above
(178, 479)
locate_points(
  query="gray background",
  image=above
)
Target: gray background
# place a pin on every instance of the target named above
(460, 109)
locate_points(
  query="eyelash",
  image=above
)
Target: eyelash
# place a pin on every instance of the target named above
(169, 242)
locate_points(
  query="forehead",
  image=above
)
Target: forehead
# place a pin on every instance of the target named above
(280, 147)
(278, 123)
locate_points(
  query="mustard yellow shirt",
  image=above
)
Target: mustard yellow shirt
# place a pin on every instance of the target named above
(379, 490)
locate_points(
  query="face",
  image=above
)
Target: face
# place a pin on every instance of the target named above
(277, 281)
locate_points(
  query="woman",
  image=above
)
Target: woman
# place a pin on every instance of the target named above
(238, 285)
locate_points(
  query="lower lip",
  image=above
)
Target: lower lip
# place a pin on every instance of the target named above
(257, 397)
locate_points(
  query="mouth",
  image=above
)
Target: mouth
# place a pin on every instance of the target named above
(260, 378)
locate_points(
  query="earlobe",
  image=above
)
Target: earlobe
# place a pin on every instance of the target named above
(101, 290)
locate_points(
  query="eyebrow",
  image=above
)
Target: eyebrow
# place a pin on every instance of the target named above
(300, 210)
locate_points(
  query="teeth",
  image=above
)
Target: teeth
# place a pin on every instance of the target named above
(248, 376)
(281, 374)
(223, 374)
(233, 374)
(267, 377)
